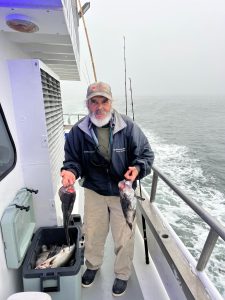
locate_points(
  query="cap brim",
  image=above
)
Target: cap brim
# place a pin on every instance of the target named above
(99, 94)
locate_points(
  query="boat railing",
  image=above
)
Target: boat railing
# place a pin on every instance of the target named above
(70, 119)
(216, 228)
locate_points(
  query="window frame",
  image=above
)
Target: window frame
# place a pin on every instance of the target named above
(3, 175)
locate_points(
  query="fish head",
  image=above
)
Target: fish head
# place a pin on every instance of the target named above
(66, 191)
(70, 189)
(121, 185)
(125, 185)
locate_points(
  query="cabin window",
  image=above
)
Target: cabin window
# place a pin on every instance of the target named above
(7, 147)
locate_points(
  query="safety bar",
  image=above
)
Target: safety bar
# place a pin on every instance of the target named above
(217, 229)
(77, 117)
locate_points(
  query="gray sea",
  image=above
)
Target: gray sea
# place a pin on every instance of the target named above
(187, 134)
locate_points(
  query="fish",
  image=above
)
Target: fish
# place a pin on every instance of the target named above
(67, 197)
(46, 253)
(58, 260)
(128, 201)
(43, 255)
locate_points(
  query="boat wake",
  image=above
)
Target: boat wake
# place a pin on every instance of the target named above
(181, 166)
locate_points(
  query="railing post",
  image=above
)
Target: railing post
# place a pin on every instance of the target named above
(207, 250)
(144, 231)
(69, 119)
(154, 186)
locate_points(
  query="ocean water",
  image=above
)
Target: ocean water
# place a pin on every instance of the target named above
(187, 134)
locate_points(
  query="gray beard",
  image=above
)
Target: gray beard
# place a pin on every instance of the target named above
(102, 122)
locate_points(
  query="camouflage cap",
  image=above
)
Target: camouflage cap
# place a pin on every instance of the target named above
(99, 89)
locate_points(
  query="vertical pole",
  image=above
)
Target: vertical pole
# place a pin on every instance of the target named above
(125, 72)
(131, 97)
(207, 249)
(154, 186)
(143, 219)
(89, 45)
(144, 232)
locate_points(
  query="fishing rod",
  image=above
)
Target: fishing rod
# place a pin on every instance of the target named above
(143, 219)
(131, 97)
(140, 189)
(125, 70)
(88, 41)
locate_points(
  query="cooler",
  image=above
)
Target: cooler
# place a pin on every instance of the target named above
(17, 228)
(62, 282)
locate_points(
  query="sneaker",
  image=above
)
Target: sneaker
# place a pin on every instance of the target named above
(119, 287)
(88, 277)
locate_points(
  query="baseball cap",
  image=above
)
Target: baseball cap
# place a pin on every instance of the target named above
(99, 89)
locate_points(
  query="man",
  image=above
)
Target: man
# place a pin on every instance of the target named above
(104, 148)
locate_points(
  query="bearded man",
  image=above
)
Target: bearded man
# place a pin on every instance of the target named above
(102, 149)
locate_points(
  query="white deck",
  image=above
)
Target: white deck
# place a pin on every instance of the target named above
(144, 283)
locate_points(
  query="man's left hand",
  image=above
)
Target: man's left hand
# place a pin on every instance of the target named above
(131, 173)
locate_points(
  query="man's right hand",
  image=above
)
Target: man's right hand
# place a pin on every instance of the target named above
(68, 178)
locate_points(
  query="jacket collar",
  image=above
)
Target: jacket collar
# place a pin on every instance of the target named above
(84, 125)
(117, 123)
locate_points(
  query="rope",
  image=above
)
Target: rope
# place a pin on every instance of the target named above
(89, 45)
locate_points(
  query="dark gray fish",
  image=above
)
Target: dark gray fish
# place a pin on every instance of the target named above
(67, 197)
(128, 201)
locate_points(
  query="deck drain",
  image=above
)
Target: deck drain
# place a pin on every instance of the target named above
(165, 236)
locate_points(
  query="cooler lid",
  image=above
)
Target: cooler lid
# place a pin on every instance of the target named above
(18, 225)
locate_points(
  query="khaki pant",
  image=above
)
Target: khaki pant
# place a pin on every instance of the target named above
(99, 213)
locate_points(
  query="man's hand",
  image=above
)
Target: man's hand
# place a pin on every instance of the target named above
(68, 178)
(131, 173)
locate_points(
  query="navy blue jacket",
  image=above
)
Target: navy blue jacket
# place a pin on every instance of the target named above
(129, 147)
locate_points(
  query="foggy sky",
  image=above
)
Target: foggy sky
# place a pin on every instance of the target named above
(172, 46)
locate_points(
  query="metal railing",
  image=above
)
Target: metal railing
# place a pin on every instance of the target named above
(76, 118)
(216, 229)
(70, 119)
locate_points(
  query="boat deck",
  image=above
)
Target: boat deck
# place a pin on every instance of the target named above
(145, 282)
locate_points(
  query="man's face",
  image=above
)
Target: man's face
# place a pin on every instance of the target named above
(99, 106)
